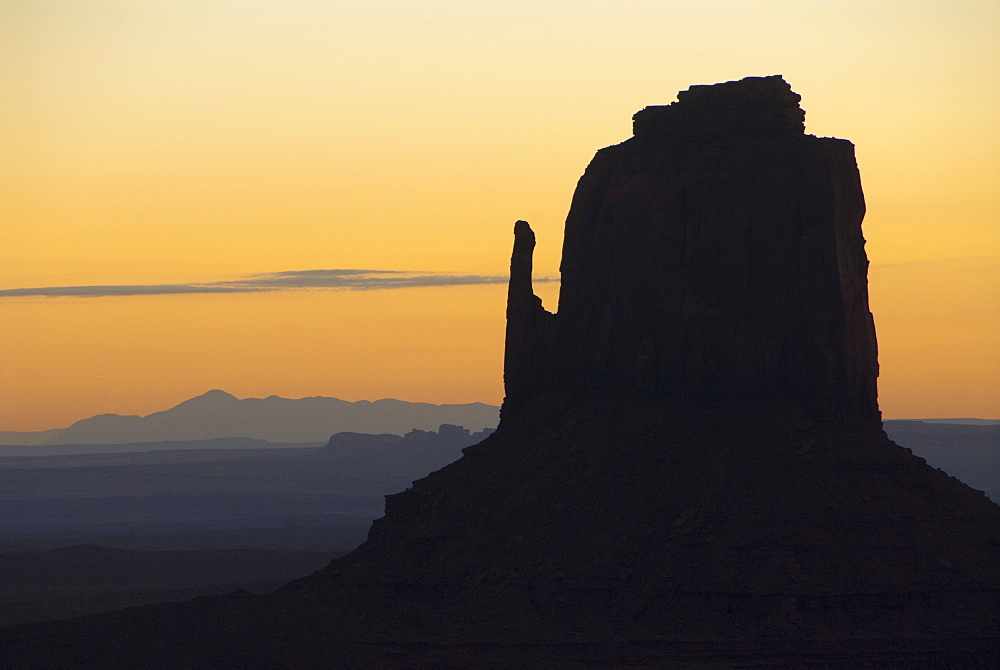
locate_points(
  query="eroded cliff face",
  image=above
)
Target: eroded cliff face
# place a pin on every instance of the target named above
(717, 255)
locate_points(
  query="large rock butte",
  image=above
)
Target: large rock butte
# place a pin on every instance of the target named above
(715, 256)
(689, 471)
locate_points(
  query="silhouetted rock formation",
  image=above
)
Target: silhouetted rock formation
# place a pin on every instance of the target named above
(690, 449)
(717, 255)
(689, 468)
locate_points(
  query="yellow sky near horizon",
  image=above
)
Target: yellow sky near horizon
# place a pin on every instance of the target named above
(181, 142)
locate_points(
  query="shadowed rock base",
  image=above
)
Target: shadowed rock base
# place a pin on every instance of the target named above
(639, 531)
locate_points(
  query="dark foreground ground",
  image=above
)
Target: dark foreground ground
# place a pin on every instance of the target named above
(516, 591)
(85, 579)
(182, 526)
(92, 528)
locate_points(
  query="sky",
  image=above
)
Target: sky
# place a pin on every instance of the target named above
(316, 197)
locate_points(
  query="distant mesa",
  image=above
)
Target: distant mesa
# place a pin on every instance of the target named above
(690, 468)
(423, 445)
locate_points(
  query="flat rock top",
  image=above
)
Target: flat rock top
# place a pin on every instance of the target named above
(748, 108)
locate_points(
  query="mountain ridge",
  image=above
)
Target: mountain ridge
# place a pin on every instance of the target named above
(218, 414)
(88, 430)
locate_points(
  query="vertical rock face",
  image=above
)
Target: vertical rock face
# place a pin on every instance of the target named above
(715, 256)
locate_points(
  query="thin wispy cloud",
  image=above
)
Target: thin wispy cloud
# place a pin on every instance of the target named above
(344, 279)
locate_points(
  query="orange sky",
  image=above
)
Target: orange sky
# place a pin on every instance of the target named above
(183, 142)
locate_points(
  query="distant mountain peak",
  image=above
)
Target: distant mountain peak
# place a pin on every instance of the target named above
(216, 394)
(209, 399)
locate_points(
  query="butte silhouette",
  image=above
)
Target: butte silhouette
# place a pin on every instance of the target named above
(690, 469)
